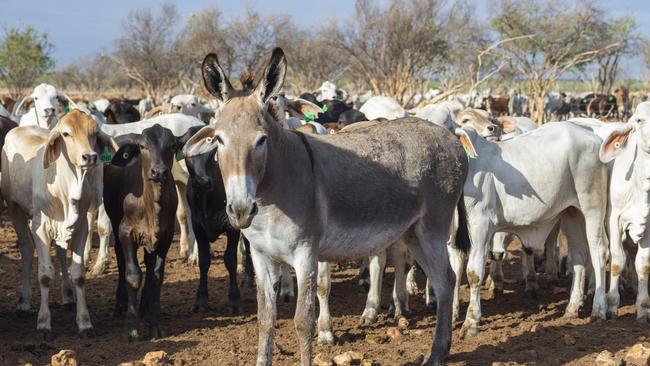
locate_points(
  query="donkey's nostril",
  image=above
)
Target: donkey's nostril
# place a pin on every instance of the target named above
(254, 209)
(229, 209)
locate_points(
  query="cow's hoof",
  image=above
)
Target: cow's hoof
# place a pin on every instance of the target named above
(133, 335)
(99, 268)
(70, 307)
(368, 317)
(87, 333)
(325, 338)
(467, 331)
(200, 306)
(46, 334)
(235, 309)
(156, 333)
(597, 316)
(612, 314)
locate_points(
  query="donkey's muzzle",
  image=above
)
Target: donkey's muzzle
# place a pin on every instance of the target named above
(240, 213)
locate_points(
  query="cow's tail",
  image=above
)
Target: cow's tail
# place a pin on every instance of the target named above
(463, 241)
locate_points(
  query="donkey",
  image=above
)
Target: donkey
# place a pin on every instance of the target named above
(359, 193)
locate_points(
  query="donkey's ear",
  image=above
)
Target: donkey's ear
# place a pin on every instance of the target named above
(273, 76)
(215, 79)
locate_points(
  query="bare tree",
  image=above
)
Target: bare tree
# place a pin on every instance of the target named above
(562, 41)
(621, 33)
(392, 50)
(146, 51)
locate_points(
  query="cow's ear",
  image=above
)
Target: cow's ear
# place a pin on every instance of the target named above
(464, 139)
(215, 79)
(202, 142)
(182, 140)
(125, 154)
(614, 143)
(273, 76)
(303, 107)
(52, 148)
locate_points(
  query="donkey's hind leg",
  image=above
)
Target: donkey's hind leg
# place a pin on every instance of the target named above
(429, 246)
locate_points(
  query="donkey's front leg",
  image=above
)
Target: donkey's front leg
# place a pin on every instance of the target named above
(267, 276)
(306, 264)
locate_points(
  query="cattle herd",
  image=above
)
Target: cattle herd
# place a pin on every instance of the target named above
(303, 181)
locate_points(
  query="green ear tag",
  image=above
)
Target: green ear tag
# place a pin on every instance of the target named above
(309, 117)
(180, 156)
(107, 155)
(324, 108)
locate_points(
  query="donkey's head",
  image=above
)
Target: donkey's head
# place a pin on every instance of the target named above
(241, 134)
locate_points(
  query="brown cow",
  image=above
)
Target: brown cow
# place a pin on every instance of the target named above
(497, 105)
(141, 206)
(622, 95)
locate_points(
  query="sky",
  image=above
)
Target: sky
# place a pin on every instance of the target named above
(80, 28)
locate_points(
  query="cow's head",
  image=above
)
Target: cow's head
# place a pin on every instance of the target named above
(640, 122)
(481, 121)
(242, 134)
(155, 147)
(77, 137)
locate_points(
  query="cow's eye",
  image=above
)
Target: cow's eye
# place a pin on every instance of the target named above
(66, 134)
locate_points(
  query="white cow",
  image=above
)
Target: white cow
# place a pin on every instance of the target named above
(629, 203)
(189, 104)
(382, 107)
(504, 192)
(52, 178)
(43, 112)
(102, 104)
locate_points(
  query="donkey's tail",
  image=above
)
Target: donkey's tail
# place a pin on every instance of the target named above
(463, 241)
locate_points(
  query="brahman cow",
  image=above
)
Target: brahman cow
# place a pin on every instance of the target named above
(52, 178)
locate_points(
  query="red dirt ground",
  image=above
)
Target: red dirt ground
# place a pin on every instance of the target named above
(216, 338)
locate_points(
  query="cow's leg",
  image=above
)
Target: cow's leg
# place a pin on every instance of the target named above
(67, 295)
(598, 245)
(91, 216)
(429, 247)
(399, 254)
(481, 235)
(499, 244)
(528, 270)
(456, 259)
(121, 294)
(230, 259)
(573, 226)
(249, 272)
(286, 284)
(376, 266)
(267, 281)
(551, 255)
(325, 335)
(187, 239)
(618, 259)
(134, 281)
(363, 278)
(156, 266)
(104, 233)
(26, 246)
(45, 276)
(78, 273)
(205, 259)
(411, 284)
(642, 266)
(305, 263)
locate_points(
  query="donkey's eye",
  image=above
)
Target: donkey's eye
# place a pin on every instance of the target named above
(465, 120)
(261, 141)
(219, 139)
(66, 134)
